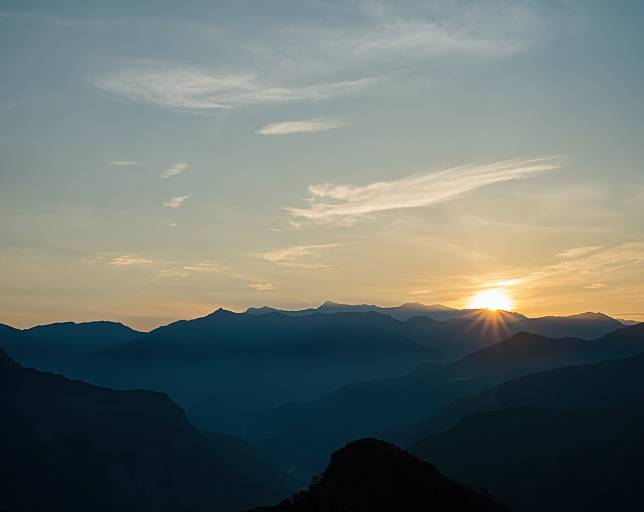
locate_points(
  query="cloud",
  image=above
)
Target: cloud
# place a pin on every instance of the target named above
(588, 268)
(292, 256)
(128, 260)
(262, 287)
(420, 292)
(195, 89)
(175, 202)
(170, 273)
(575, 252)
(174, 170)
(203, 266)
(360, 45)
(309, 126)
(346, 204)
(123, 163)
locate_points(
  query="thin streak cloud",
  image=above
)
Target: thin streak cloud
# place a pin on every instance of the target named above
(294, 256)
(346, 204)
(203, 266)
(308, 126)
(123, 163)
(174, 170)
(262, 287)
(195, 89)
(126, 261)
(588, 267)
(175, 202)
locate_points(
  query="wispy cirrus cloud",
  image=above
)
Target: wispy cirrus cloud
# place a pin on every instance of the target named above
(170, 273)
(160, 268)
(575, 252)
(346, 204)
(129, 260)
(203, 266)
(589, 267)
(123, 163)
(301, 256)
(195, 89)
(363, 45)
(262, 287)
(308, 126)
(174, 170)
(175, 202)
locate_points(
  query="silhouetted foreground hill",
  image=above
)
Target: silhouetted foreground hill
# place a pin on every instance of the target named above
(70, 446)
(371, 476)
(382, 407)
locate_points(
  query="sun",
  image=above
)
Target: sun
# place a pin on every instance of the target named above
(492, 299)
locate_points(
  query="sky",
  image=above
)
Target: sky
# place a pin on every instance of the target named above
(159, 160)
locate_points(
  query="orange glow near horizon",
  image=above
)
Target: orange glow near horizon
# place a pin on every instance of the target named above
(493, 299)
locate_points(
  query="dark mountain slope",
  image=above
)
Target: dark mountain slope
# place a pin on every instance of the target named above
(71, 446)
(615, 382)
(572, 461)
(256, 469)
(371, 476)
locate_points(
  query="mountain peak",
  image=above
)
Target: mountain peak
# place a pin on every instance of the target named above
(370, 474)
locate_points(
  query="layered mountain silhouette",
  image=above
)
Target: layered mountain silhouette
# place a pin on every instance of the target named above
(568, 439)
(584, 325)
(217, 367)
(614, 382)
(370, 475)
(71, 446)
(57, 347)
(227, 367)
(536, 419)
(384, 406)
(402, 312)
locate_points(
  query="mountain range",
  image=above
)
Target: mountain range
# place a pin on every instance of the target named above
(68, 445)
(543, 412)
(567, 440)
(388, 406)
(216, 366)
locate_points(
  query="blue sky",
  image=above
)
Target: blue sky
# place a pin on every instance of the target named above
(162, 159)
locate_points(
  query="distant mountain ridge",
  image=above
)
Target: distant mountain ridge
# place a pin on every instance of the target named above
(56, 346)
(434, 311)
(402, 312)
